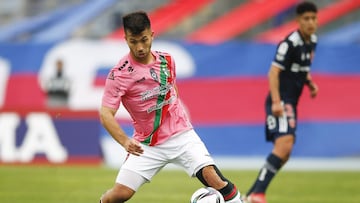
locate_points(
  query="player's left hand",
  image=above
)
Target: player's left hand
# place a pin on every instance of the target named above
(314, 89)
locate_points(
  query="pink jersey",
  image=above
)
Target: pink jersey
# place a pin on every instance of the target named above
(148, 93)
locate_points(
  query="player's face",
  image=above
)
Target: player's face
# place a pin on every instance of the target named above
(140, 45)
(307, 23)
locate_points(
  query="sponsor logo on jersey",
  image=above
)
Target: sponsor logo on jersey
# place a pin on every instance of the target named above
(154, 75)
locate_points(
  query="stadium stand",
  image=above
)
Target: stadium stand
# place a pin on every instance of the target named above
(28, 26)
(347, 34)
(247, 15)
(325, 15)
(64, 28)
(168, 15)
(172, 19)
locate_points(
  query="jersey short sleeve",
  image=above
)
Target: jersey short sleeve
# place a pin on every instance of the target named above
(112, 95)
(282, 55)
(115, 86)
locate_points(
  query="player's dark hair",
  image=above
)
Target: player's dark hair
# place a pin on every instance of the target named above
(305, 6)
(136, 22)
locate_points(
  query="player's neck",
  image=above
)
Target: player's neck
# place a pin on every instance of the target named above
(150, 58)
(306, 37)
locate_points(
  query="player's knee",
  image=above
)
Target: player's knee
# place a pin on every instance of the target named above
(283, 146)
(286, 150)
(116, 195)
(282, 153)
(288, 146)
(113, 199)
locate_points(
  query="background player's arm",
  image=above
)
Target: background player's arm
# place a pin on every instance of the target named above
(312, 86)
(107, 118)
(277, 108)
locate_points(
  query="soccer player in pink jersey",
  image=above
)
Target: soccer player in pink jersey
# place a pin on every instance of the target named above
(144, 81)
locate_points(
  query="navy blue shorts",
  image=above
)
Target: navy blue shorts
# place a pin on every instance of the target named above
(279, 126)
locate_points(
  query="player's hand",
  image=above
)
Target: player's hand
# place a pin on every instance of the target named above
(133, 147)
(277, 109)
(314, 89)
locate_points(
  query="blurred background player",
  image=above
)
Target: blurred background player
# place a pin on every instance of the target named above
(289, 73)
(58, 87)
(144, 82)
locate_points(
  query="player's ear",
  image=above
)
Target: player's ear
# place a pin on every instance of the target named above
(152, 34)
(126, 34)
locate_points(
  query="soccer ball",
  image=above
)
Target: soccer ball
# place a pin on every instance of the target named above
(207, 195)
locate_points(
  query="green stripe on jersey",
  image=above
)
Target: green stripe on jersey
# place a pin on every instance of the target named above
(161, 98)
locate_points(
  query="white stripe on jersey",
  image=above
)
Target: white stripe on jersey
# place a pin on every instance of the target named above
(283, 124)
(295, 67)
(278, 65)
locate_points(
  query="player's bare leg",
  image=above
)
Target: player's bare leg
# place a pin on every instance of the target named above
(283, 147)
(118, 194)
(212, 178)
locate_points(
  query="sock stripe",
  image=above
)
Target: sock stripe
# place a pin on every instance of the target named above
(231, 195)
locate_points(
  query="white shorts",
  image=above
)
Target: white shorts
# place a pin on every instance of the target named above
(185, 150)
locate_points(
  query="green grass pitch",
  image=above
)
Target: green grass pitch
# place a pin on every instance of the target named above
(65, 184)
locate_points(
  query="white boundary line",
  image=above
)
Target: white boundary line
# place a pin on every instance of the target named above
(115, 155)
(294, 164)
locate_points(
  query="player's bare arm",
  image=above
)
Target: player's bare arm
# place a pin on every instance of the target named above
(314, 89)
(273, 75)
(107, 118)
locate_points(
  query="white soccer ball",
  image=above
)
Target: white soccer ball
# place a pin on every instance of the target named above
(207, 195)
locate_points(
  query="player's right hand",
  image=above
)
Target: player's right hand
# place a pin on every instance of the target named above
(277, 109)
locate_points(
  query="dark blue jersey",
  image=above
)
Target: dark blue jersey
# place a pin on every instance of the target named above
(294, 57)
